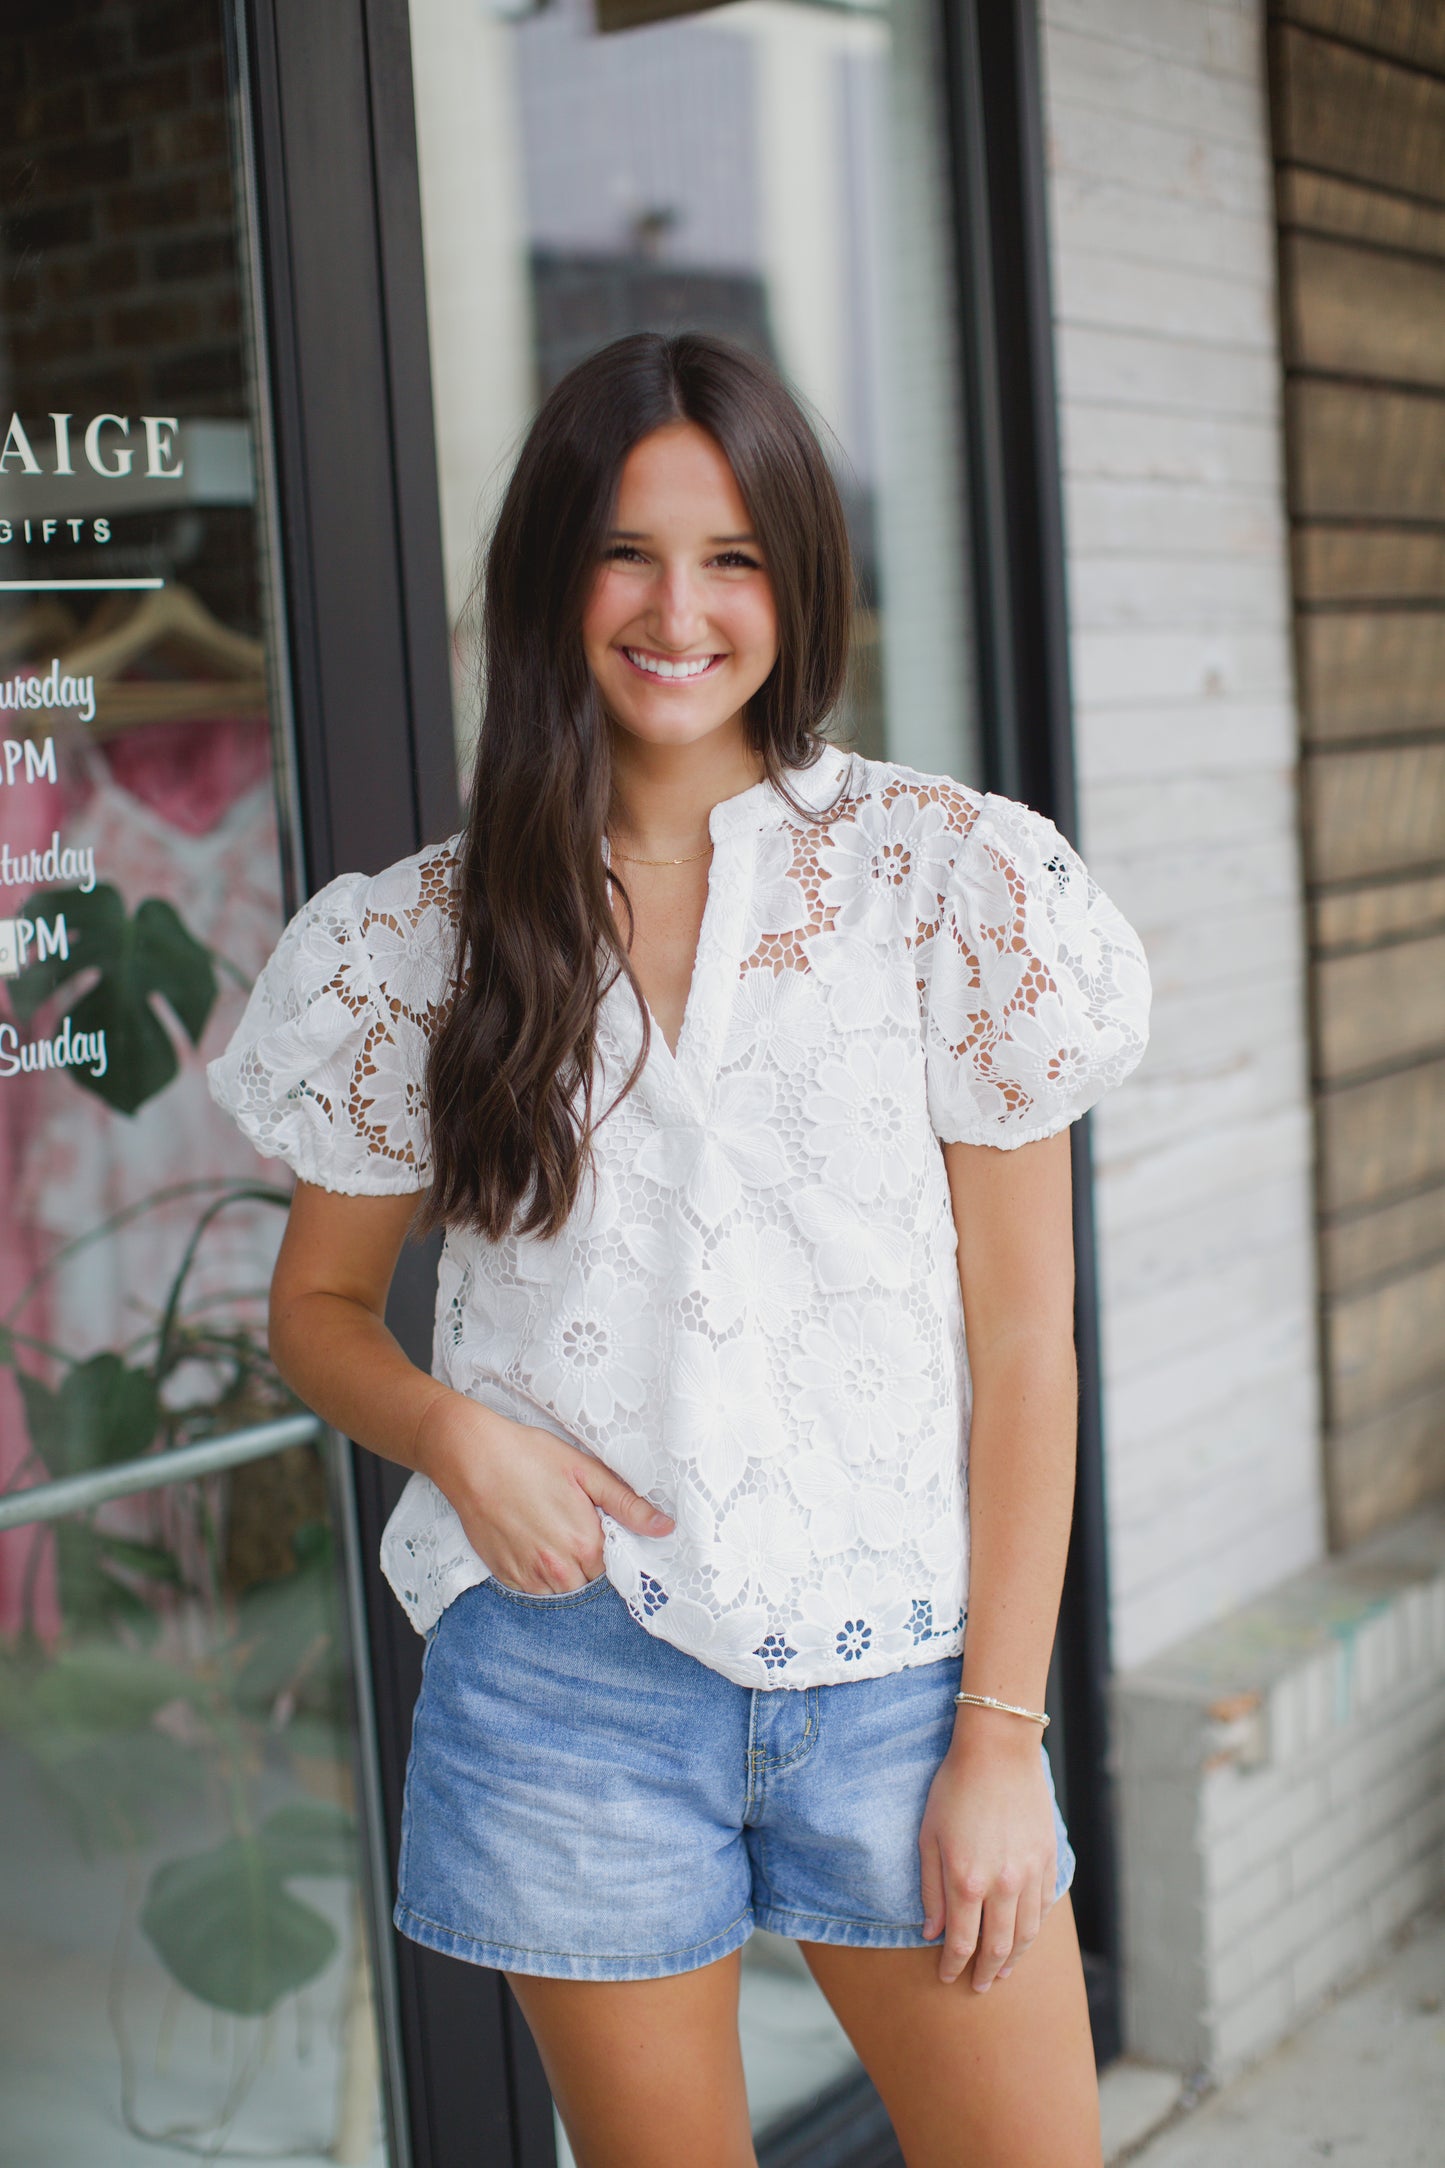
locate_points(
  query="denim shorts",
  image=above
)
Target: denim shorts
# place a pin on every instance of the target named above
(586, 1802)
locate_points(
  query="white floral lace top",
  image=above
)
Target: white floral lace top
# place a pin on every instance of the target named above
(754, 1314)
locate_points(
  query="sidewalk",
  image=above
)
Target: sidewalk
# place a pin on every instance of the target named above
(1363, 2083)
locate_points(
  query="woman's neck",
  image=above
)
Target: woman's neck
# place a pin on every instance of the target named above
(662, 794)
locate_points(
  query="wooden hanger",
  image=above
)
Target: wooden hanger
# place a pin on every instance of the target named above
(169, 616)
(175, 620)
(46, 626)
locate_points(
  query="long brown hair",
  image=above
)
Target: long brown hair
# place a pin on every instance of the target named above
(510, 1080)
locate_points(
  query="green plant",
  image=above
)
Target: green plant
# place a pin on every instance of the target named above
(134, 959)
(183, 1671)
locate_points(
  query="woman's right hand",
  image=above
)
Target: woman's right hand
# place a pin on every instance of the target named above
(528, 1502)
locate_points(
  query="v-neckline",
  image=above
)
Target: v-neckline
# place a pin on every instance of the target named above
(683, 1076)
(680, 1082)
(680, 1075)
(657, 1037)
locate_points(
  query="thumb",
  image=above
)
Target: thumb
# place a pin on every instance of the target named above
(608, 1492)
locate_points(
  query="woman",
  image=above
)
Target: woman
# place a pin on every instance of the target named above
(738, 1072)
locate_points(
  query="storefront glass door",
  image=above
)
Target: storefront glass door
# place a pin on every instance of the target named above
(778, 172)
(184, 1960)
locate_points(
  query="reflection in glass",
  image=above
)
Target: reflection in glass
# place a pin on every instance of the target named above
(181, 1957)
(180, 1963)
(769, 170)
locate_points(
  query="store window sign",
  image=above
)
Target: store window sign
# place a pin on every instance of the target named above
(106, 449)
(54, 478)
(63, 476)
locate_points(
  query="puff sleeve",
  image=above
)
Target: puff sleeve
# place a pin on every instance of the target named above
(1036, 989)
(327, 1068)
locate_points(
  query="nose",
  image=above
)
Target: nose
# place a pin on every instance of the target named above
(677, 613)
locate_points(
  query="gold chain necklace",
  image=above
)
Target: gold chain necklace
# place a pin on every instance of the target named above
(627, 860)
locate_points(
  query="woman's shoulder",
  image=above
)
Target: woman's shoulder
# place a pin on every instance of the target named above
(404, 919)
(324, 1069)
(867, 786)
(406, 892)
(941, 819)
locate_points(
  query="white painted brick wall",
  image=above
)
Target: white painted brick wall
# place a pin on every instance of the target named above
(1162, 240)
(1281, 1780)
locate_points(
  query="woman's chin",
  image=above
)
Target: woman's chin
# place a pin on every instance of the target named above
(671, 719)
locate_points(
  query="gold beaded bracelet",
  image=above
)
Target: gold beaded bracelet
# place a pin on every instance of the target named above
(986, 1701)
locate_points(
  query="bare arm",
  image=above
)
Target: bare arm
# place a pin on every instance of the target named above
(988, 1838)
(528, 1501)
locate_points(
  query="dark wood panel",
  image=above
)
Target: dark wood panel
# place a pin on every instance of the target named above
(1358, 109)
(1323, 203)
(1361, 453)
(1357, 311)
(1368, 673)
(1349, 113)
(1384, 1345)
(1382, 1138)
(1375, 812)
(1380, 1468)
(1365, 916)
(1394, 1238)
(1368, 564)
(1411, 30)
(1381, 1008)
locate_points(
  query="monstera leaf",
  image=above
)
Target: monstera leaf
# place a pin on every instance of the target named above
(224, 1923)
(103, 1412)
(86, 1719)
(137, 958)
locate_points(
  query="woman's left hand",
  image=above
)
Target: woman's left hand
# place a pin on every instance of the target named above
(989, 1852)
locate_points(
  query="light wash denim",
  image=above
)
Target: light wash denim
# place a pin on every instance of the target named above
(586, 1802)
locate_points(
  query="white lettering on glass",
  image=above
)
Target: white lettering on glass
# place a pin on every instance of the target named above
(47, 936)
(124, 456)
(62, 443)
(67, 1050)
(74, 866)
(18, 446)
(50, 691)
(160, 430)
(111, 460)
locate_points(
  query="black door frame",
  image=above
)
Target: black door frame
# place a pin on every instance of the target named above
(343, 319)
(995, 97)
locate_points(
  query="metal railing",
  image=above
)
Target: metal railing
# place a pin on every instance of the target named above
(210, 1456)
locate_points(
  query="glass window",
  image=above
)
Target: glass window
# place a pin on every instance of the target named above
(184, 1964)
(771, 170)
(181, 1966)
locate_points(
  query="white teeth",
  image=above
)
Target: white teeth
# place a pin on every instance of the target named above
(657, 667)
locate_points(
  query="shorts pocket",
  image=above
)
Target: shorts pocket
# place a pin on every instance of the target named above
(551, 1599)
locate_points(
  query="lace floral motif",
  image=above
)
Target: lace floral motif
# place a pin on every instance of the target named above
(754, 1313)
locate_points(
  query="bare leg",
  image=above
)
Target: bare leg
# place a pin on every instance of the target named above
(1005, 2079)
(645, 2073)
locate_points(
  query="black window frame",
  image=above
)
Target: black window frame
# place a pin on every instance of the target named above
(343, 311)
(994, 75)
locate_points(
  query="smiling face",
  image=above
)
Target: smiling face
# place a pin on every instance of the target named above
(680, 629)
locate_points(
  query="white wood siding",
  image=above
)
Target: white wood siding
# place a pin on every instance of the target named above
(1164, 293)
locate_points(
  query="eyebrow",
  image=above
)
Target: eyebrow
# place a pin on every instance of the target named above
(634, 534)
